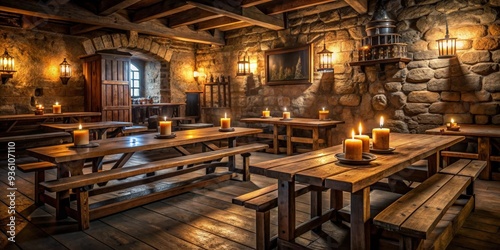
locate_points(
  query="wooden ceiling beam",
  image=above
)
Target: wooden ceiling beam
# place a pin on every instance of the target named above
(273, 8)
(235, 26)
(74, 13)
(190, 17)
(108, 7)
(159, 10)
(360, 6)
(250, 3)
(216, 23)
(82, 28)
(250, 15)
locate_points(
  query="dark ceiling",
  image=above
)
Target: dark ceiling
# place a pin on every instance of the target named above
(199, 21)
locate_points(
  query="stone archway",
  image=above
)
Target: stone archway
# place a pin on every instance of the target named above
(136, 44)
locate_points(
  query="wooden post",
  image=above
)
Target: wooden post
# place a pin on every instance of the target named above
(82, 200)
(276, 146)
(263, 230)
(360, 216)
(246, 166)
(484, 152)
(286, 210)
(289, 144)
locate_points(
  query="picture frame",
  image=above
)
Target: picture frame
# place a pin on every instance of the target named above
(289, 65)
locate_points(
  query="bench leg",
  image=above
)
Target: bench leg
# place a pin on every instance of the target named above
(39, 177)
(246, 166)
(263, 230)
(62, 201)
(82, 203)
(316, 206)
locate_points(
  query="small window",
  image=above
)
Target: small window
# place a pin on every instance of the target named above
(135, 81)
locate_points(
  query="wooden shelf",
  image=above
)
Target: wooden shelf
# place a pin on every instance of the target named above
(381, 61)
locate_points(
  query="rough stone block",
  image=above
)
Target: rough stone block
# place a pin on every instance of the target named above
(429, 119)
(486, 43)
(439, 85)
(484, 68)
(397, 126)
(412, 109)
(478, 96)
(393, 86)
(415, 12)
(474, 57)
(495, 96)
(466, 83)
(494, 29)
(124, 40)
(439, 63)
(450, 96)
(481, 119)
(425, 55)
(98, 44)
(89, 47)
(379, 102)
(442, 73)
(417, 64)
(117, 41)
(468, 32)
(147, 44)
(397, 99)
(423, 96)
(495, 119)
(154, 48)
(447, 107)
(107, 41)
(408, 87)
(485, 108)
(133, 38)
(351, 100)
(420, 75)
(491, 82)
(140, 43)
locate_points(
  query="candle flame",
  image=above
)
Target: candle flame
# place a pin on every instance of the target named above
(57, 103)
(266, 109)
(164, 118)
(80, 126)
(381, 121)
(285, 108)
(225, 115)
(452, 121)
(352, 134)
(323, 108)
(360, 128)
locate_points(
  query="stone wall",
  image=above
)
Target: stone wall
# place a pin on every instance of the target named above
(425, 94)
(37, 58)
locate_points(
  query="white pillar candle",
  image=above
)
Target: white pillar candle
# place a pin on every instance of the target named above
(81, 136)
(266, 113)
(225, 122)
(353, 148)
(364, 138)
(323, 114)
(286, 114)
(56, 108)
(381, 136)
(165, 127)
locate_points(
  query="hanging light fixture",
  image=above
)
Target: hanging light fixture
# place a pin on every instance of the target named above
(64, 71)
(448, 46)
(325, 59)
(7, 68)
(243, 65)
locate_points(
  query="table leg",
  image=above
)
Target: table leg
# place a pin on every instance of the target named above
(360, 216)
(337, 203)
(289, 145)
(286, 210)
(316, 206)
(275, 140)
(231, 143)
(433, 164)
(484, 152)
(315, 137)
(329, 136)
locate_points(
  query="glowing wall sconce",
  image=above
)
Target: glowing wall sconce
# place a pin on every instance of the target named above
(7, 68)
(64, 71)
(325, 60)
(447, 46)
(243, 66)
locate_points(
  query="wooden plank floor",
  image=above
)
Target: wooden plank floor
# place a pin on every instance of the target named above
(201, 219)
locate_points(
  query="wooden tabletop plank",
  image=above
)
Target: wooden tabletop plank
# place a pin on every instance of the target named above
(419, 148)
(286, 172)
(468, 130)
(68, 127)
(129, 144)
(307, 122)
(19, 117)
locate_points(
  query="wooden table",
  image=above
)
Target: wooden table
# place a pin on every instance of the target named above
(484, 133)
(167, 109)
(321, 168)
(297, 123)
(12, 120)
(99, 127)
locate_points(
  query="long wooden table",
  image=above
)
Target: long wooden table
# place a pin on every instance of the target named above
(484, 134)
(298, 123)
(322, 169)
(12, 120)
(99, 127)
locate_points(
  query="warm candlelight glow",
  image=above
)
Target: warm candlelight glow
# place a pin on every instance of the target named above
(323, 108)
(364, 139)
(225, 122)
(452, 121)
(353, 148)
(286, 114)
(266, 113)
(381, 121)
(80, 126)
(352, 134)
(56, 108)
(381, 136)
(165, 127)
(360, 128)
(81, 136)
(323, 114)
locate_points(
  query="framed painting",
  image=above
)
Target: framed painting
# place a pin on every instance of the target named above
(289, 65)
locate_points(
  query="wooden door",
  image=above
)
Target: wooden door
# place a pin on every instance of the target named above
(116, 101)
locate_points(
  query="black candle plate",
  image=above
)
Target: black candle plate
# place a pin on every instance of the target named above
(367, 158)
(382, 151)
(226, 129)
(172, 135)
(287, 119)
(90, 145)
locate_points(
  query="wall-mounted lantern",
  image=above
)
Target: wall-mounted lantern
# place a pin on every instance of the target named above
(447, 46)
(7, 66)
(243, 66)
(64, 71)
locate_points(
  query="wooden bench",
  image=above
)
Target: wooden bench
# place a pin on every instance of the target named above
(464, 167)
(429, 215)
(82, 185)
(39, 169)
(262, 201)
(134, 129)
(187, 126)
(37, 140)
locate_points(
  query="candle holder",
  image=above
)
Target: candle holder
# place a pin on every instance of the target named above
(266, 117)
(366, 158)
(39, 112)
(170, 136)
(90, 145)
(452, 128)
(226, 129)
(382, 151)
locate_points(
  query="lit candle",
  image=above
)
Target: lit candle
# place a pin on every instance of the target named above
(165, 127)
(266, 113)
(323, 114)
(286, 114)
(381, 136)
(56, 108)
(225, 122)
(453, 123)
(353, 148)
(364, 138)
(81, 136)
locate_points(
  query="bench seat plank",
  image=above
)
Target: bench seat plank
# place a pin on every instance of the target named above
(119, 173)
(240, 200)
(269, 200)
(425, 218)
(36, 166)
(464, 167)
